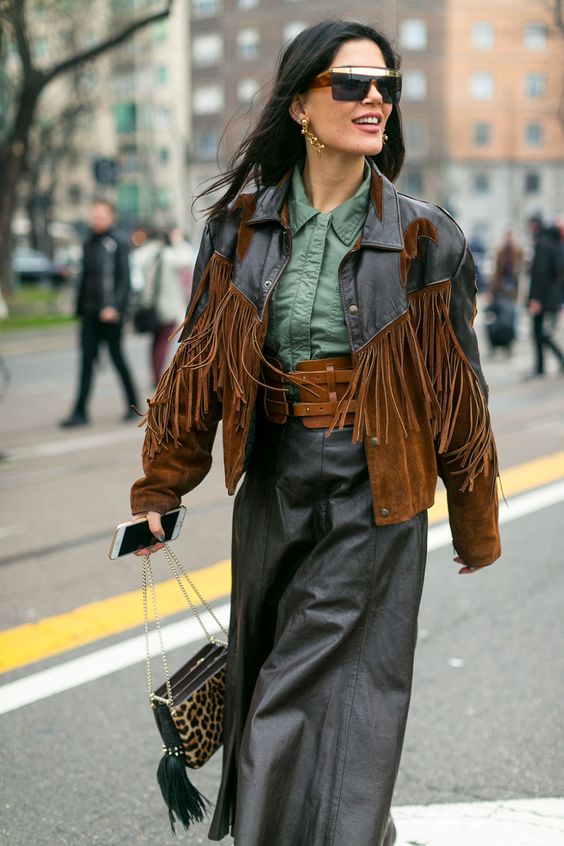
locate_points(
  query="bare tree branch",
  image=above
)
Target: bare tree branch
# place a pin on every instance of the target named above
(17, 13)
(112, 41)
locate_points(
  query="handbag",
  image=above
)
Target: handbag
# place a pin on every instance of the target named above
(146, 316)
(188, 706)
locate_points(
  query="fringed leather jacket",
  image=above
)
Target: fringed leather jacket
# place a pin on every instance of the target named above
(408, 289)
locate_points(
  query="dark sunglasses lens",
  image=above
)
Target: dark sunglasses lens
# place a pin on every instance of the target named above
(349, 87)
(355, 87)
(390, 89)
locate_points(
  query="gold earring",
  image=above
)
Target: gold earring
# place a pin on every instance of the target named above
(384, 138)
(313, 139)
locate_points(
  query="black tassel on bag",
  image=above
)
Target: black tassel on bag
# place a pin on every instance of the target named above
(180, 795)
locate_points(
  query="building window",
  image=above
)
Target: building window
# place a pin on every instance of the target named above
(482, 86)
(483, 35)
(481, 183)
(535, 36)
(161, 74)
(246, 89)
(247, 4)
(128, 199)
(206, 144)
(535, 85)
(162, 117)
(206, 8)
(164, 197)
(248, 44)
(534, 134)
(125, 115)
(414, 85)
(207, 49)
(160, 31)
(414, 182)
(208, 99)
(291, 30)
(532, 183)
(482, 134)
(416, 136)
(413, 34)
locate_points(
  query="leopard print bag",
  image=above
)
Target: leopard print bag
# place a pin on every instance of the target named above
(189, 706)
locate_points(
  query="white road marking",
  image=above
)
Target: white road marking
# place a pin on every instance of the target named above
(102, 662)
(512, 822)
(76, 444)
(518, 506)
(108, 660)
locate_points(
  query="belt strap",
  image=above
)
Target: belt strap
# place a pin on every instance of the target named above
(321, 383)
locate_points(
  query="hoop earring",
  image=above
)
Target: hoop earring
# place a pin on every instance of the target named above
(313, 139)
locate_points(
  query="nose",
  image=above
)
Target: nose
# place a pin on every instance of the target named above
(373, 93)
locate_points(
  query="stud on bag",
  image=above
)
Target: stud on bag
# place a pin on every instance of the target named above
(188, 706)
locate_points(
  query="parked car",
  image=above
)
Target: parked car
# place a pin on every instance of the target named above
(33, 266)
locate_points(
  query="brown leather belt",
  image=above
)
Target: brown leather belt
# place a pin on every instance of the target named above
(320, 382)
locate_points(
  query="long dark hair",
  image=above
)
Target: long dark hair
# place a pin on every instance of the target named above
(275, 144)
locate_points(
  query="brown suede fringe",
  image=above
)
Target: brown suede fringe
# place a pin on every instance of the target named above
(224, 353)
(379, 385)
(454, 380)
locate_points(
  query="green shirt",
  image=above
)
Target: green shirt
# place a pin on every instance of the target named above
(306, 318)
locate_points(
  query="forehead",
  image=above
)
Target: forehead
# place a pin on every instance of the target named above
(359, 53)
(101, 209)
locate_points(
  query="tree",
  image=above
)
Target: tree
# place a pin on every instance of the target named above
(20, 92)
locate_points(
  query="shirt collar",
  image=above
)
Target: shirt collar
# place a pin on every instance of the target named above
(345, 218)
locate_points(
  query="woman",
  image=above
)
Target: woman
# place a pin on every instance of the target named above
(164, 290)
(330, 329)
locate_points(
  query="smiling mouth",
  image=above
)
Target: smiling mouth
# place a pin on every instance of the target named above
(373, 120)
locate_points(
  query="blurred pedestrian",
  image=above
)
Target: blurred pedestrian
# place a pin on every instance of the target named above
(545, 293)
(101, 306)
(164, 293)
(330, 329)
(504, 290)
(508, 268)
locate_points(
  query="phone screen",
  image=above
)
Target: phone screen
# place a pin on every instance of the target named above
(138, 535)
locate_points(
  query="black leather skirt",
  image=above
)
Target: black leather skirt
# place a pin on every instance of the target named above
(322, 638)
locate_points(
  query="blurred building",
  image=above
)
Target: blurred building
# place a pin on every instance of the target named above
(481, 97)
(482, 104)
(132, 146)
(504, 67)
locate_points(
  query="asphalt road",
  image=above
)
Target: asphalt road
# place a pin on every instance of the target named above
(78, 767)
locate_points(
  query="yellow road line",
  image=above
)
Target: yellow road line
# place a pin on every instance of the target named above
(36, 641)
(32, 642)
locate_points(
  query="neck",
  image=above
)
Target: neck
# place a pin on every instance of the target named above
(330, 180)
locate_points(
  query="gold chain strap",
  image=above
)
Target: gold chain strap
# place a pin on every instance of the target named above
(147, 581)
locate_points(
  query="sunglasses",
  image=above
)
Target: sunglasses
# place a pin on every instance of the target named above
(354, 83)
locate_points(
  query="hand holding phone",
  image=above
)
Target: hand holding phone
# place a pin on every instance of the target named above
(155, 527)
(139, 535)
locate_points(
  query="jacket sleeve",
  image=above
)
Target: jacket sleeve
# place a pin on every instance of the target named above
(182, 458)
(121, 279)
(466, 451)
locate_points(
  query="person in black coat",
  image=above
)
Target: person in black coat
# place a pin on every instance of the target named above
(545, 294)
(101, 306)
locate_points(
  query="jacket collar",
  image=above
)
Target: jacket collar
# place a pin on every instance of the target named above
(383, 224)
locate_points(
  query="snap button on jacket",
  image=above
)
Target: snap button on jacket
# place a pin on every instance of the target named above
(408, 287)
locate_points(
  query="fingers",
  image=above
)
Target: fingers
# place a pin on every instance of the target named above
(156, 527)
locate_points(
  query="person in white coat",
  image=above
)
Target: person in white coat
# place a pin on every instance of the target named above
(168, 282)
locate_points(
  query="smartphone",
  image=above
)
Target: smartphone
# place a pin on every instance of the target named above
(134, 535)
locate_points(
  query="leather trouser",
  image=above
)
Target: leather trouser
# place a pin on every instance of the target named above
(321, 646)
